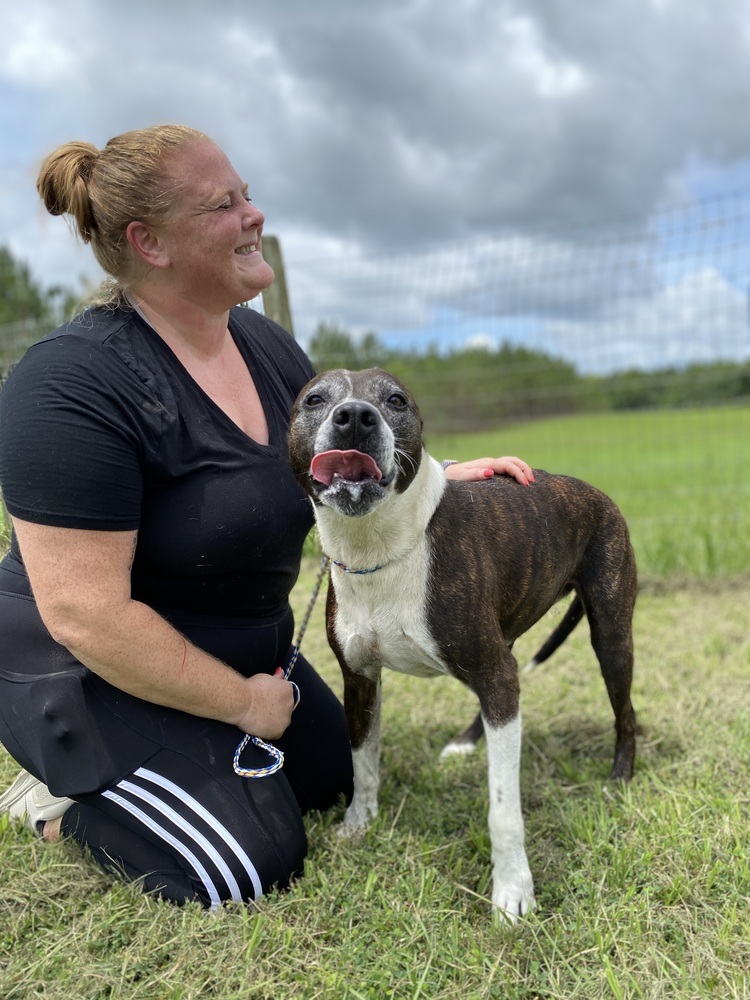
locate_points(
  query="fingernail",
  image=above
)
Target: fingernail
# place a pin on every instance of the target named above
(487, 473)
(278, 672)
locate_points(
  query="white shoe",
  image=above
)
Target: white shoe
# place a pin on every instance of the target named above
(29, 800)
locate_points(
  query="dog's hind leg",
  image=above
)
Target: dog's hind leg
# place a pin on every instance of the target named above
(467, 741)
(609, 609)
(616, 662)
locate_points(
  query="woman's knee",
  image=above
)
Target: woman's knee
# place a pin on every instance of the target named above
(232, 848)
(239, 877)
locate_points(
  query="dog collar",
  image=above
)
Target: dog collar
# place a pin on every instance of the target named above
(355, 572)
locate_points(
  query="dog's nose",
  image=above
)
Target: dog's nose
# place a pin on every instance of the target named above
(354, 421)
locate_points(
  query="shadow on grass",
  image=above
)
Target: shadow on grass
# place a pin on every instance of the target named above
(424, 794)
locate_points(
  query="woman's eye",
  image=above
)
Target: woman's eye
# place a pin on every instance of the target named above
(397, 400)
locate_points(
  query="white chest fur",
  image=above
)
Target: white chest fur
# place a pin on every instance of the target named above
(381, 618)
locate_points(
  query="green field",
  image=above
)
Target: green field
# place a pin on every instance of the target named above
(681, 477)
(643, 892)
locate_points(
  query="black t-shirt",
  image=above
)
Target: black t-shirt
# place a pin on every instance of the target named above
(101, 427)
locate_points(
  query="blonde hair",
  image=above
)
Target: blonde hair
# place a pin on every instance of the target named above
(103, 191)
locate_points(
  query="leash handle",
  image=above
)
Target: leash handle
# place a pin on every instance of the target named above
(277, 757)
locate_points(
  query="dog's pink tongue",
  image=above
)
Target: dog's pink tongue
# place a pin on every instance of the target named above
(354, 466)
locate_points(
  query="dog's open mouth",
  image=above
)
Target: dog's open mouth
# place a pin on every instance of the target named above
(349, 466)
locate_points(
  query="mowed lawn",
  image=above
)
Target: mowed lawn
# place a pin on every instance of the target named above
(643, 891)
(681, 477)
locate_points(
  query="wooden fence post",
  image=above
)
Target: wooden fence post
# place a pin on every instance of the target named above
(276, 298)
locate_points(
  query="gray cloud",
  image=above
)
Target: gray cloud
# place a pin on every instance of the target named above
(394, 125)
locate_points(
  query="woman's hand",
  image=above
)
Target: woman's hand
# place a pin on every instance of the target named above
(485, 468)
(271, 702)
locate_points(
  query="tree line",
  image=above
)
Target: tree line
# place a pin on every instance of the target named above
(469, 388)
(476, 388)
(28, 310)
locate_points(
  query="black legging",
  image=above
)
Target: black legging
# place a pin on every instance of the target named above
(157, 798)
(187, 827)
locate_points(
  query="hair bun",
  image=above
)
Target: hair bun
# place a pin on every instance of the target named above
(104, 190)
(63, 184)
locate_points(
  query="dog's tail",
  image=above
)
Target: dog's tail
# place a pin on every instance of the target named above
(566, 625)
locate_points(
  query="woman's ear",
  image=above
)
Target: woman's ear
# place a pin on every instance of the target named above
(147, 245)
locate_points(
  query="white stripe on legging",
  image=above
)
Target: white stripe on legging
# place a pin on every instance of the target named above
(181, 848)
(204, 814)
(188, 828)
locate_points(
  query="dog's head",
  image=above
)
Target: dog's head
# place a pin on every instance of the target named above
(355, 437)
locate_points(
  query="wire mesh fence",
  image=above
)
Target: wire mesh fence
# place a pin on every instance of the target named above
(617, 351)
(670, 291)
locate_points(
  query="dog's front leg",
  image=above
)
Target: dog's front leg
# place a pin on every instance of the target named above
(362, 696)
(512, 884)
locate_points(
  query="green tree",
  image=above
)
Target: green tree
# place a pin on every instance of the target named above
(28, 310)
(22, 298)
(333, 347)
(473, 387)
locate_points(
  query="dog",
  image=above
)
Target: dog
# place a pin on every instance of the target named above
(437, 577)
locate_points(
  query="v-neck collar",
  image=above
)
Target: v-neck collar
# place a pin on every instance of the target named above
(246, 353)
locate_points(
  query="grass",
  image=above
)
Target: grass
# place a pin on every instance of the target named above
(681, 477)
(643, 891)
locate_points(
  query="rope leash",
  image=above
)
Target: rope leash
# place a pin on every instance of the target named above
(277, 757)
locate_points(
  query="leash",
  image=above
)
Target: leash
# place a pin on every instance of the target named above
(277, 757)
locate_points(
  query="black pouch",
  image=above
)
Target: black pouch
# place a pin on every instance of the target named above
(57, 719)
(70, 746)
(59, 732)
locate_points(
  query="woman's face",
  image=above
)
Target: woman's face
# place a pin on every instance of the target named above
(213, 239)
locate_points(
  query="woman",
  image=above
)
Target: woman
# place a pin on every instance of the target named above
(157, 533)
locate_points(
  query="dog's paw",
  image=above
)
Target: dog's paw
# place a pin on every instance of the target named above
(344, 831)
(357, 818)
(513, 897)
(458, 748)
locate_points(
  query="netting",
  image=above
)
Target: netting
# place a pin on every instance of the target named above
(618, 352)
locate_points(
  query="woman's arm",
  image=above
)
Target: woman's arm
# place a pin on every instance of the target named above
(81, 583)
(485, 468)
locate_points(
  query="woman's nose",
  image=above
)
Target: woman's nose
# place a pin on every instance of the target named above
(253, 217)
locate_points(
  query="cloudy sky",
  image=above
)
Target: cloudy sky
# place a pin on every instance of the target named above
(413, 155)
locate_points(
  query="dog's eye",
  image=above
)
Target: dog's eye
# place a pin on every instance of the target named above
(397, 400)
(314, 399)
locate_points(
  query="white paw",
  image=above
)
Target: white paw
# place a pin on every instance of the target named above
(358, 817)
(346, 831)
(454, 749)
(513, 897)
